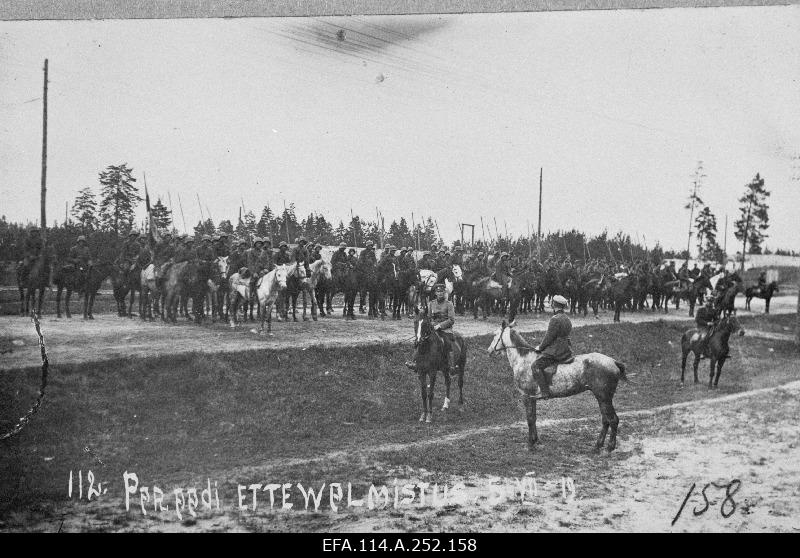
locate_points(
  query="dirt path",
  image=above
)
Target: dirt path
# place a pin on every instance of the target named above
(109, 337)
(747, 443)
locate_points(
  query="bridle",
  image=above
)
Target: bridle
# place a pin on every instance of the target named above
(494, 348)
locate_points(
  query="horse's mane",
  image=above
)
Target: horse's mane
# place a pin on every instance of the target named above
(520, 343)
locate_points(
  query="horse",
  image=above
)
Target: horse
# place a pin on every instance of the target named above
(369, 285)
(320, 274)
(148, 293)
(239, 289)
(268, 288)
(484, 291)
(127, 280)
(621, 292)
(297, 283)
(716, 349)
(173, 291)
(767, 294)
(32, 278)
(67, 278)
(431, 358)
(692, 293)
(88, 285)
(593, 371)
(345, 279)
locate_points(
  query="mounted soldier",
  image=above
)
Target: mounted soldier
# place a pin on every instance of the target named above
(266, 260)
(426, 262)
(502, 272)
(300, 254)
(130, 252)
(443, 316)
(221, 249)
(352, 260)
(283, 257)
(367, 258)
(252, 256)
(762, 282)
(340, 256)
(316, 253)
(32, 248)
(458, 257)
(205, 252)
(554, 349)
(81, 258)
(238, 257)
(410, 262)
(706, 320)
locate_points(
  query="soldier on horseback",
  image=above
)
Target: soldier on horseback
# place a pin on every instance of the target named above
(762, 282)
(81, 258)
(554, 349)
(130, 252)
(316, 253)
(352, 260)
(443, 316)
(32, 249)
(706, 320)
(340, 256)
(300, 254)
(205, 252)
(426, 262)
(220, 246)
(283, 257)
(367, 258)
(410, 262)
(502, 272)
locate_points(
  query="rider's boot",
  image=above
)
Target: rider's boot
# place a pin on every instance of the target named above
(543, 383)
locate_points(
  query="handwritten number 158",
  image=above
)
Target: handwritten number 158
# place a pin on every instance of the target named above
(728, 504)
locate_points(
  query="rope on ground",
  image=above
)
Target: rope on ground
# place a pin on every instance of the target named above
(24, 420)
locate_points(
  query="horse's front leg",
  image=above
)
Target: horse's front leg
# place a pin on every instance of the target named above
(431, 385)
(530, 414)
(423, 386)
(696, 364)
(446, 404)
(713, 365)
(720, 362)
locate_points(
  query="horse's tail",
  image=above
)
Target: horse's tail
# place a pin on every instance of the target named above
(622, 374)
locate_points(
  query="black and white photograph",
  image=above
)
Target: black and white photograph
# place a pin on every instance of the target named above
(437, 274)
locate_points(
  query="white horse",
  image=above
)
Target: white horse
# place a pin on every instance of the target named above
(268, 289)
(593, 371)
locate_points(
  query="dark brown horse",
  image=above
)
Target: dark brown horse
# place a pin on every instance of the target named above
(430, 358)
(33, 278)
(716, 348)
(767, 294)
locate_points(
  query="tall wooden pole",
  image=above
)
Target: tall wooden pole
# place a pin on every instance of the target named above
(183, 217)
(539, 229)
(44, 161)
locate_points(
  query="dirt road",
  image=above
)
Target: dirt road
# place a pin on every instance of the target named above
(109, 337)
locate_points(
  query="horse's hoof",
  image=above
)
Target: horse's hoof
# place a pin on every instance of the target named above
(422, 417)
(429, 418)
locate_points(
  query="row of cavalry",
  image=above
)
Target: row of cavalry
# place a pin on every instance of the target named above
(232, 295)
(220, 293)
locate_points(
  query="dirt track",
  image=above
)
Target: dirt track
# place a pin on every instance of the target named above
(108, 336)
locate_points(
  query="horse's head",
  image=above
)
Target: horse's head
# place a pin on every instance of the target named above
(222, 265)
(422, 327)
(731, 324)
(326, 270)
(281, 273)
(458, 274)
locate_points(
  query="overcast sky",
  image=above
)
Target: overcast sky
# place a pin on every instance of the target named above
(442, 116)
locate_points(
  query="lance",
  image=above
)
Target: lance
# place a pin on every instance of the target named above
(180, 205)
(609, 251)
(352, 224)
(483, 232)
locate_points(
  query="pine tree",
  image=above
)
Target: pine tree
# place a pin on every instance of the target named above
(84, 210)
(119, 197)
(264, 226)
(341, 234)
(161, 215)
(754, 219)
(225, 226)
(706, 225)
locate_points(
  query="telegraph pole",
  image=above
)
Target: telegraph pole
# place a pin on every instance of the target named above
(539, 230)
(44, 161)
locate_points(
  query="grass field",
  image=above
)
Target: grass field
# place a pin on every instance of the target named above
(176, 419)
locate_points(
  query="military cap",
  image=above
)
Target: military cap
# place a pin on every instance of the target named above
(560, 300)
(403, 250)
(389, 247)
(215, 237)
(242, 241)
(370, 244)
(223, 235)
(166, 234)
(267, 240)
(342, 245)
(258, 239)
(81, 238)
(206, 237)
(302, 239)
(459, 249)
(189, 239)
(283, 244)
(439, 287)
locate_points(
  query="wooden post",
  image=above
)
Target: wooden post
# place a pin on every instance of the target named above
(44, 163)
(539, 229)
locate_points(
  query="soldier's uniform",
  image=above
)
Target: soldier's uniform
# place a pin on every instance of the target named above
(205, 252)
(185, 251)
(265, 259)
(316, 253)
(32, 248)
(252, 256)
(367, 258)
(300, 254)
(80, 258)
(425, 262)
(384, 266)
(458, 257)
(129, 253)
(238, 258)
(352, 260)
(762, 281)
(283, 257)
(706, 318)
(340, 256)
(555, 348)
(410, 262)
(221, 249)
